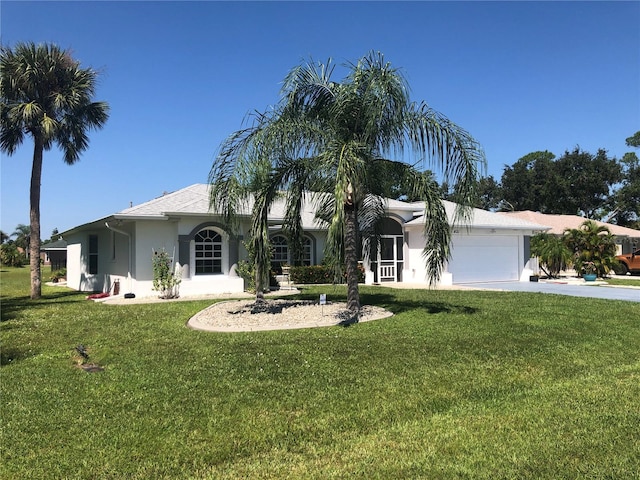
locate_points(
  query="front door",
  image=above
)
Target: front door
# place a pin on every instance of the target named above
(390, 262)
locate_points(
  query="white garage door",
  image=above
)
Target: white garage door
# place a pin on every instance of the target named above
(484, 258)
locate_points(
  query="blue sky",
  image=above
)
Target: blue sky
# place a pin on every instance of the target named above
(181, 76)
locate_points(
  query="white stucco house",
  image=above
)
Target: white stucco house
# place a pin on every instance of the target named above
(119, 247)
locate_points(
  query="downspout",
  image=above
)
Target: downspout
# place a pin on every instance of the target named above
(128, 235)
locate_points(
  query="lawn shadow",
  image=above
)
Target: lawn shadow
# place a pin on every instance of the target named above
(9, 355)
(10, 306)
(398, 305)
(394, 303)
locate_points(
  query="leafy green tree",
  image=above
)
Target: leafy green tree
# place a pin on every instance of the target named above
(55, 235)
(527, 184)
(591, 244)
(583, 183)
(489, 194)
(576, 183)
(332, 138)
(624, 204)
(3, 237)
(634, 140)
(46, 95)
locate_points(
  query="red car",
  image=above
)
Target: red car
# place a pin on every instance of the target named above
(629, 262)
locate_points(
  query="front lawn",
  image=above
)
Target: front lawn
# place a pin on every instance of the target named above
(627, 282)
(458, 384)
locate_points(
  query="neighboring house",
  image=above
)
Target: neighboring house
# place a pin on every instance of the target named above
(627, 239)
(55, 254)
(120, 247)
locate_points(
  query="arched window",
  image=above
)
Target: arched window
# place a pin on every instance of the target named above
(280, 250)
(208, 252)
(307, 251)
(281, 254)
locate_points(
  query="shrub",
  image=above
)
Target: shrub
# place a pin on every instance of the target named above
(593, 245)
(247, 271)
(317, 274)
(165, 280)
(10, 256)
(58, 274)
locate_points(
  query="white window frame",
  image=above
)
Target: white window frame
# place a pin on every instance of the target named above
(224, 254)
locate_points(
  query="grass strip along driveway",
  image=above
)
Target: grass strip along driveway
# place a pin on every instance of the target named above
(457, 384)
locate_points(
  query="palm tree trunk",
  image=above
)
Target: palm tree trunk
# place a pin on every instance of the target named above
(351, 259)
(34, 218)
(259, 286)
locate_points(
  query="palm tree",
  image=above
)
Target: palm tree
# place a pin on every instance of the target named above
(45, 95)
(335, 138)
(22, 235)
(553, 253)
(592, 244)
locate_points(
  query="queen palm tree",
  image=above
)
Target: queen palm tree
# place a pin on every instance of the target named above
(334, 138)
(45, 95)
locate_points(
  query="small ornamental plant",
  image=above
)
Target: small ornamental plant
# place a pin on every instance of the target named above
(166, 280)
(589, 268)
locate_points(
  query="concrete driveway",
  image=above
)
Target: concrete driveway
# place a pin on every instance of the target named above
(573, 288)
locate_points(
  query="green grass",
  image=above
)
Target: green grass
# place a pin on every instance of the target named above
(458, 384)
(629, 282)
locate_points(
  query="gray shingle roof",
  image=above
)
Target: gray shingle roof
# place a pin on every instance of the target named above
(194, 201)
(481, 219)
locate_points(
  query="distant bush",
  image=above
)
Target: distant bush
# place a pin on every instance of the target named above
(317, 274)
(10, 256)
(58, 274)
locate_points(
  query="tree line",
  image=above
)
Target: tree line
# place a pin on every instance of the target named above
(14, 248)
(595, 186)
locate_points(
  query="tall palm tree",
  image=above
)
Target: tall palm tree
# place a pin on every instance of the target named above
(45, 95)
(335, 137)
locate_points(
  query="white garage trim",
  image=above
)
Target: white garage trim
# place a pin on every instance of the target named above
(485, 258)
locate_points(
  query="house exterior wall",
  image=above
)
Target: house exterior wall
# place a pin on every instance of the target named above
(109, 268)
(415, 269)
(153, 236)
(74, 265)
